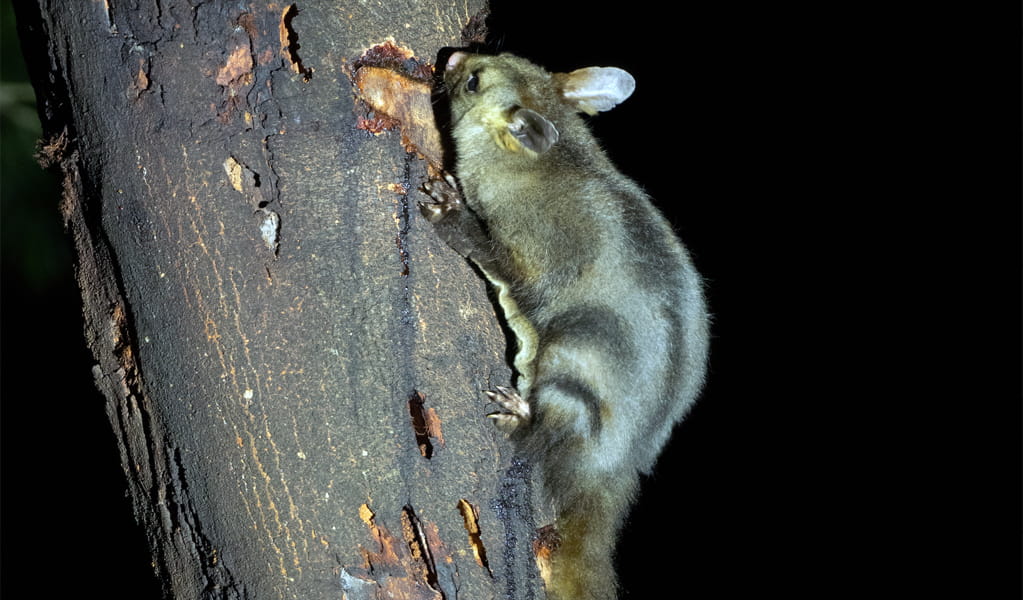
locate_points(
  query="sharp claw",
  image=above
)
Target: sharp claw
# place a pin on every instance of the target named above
(505, 422)
(512, 405)
(430, 211)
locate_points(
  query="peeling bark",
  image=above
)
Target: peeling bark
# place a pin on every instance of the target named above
(291, 360)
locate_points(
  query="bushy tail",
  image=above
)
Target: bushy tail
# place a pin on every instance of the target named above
(582, 566)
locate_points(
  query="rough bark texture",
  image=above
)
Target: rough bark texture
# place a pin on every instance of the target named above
(291, 359)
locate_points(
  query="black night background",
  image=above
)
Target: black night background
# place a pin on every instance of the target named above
(829, 456)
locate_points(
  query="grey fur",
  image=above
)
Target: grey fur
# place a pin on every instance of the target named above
(603, 298)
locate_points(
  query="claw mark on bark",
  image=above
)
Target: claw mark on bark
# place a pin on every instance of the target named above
(425, 424)
(416, 540)
(404, 567)
(289, 43)
(441, 571)
(471, 516)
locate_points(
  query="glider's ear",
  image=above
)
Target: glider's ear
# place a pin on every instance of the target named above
(595, 89)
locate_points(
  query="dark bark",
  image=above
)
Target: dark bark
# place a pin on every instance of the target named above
(291, 359)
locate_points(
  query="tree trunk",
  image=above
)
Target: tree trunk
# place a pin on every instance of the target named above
(291, 359)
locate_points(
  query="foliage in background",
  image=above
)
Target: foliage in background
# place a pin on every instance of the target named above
(33, 248)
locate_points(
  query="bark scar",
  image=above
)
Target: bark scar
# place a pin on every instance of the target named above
(425, 424)
(470, 514)
(403, 567)
(289, 43)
